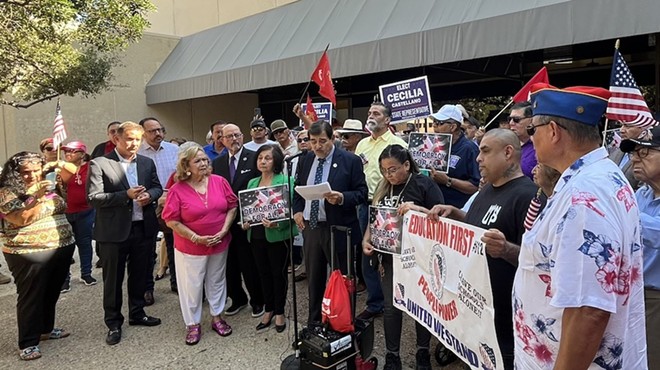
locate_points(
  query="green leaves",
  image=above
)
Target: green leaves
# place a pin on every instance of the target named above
(55, 47)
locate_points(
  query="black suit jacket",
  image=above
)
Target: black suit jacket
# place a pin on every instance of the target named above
(346, 176)
(107, 187)
(245, 170)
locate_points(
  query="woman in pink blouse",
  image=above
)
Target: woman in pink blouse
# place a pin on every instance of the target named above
(200, 207)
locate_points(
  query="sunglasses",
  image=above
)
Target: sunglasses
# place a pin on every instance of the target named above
(49, 149)
(441, 123)
(303, 140)
(531, 129)
(258, 128)
(69, 151)
(515, 119)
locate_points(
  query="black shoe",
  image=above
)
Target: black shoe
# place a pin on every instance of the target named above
(280, 328)
(234, 309)
(174, 289)
(263, 325)
(443, 355)
(368, 315)
(392, 362)
(258, 311)
(98, 264)
(300, 277)
(423, 359)
(145, 321)
(149, 298)
(113, 337)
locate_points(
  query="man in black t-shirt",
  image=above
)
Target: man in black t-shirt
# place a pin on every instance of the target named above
(500, 208)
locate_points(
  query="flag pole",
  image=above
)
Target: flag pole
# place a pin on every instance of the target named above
(310, 80)
(607, 121)
(58, 143)
(498, 114)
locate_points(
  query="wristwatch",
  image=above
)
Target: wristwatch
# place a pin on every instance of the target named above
(448, 183)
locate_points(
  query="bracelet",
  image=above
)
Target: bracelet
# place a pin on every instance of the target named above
(193, 238)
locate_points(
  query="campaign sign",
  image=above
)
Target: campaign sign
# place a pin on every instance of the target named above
(385, 228)
(441, 280)
(430, 150)
(323, 111)
(409, 99)
(268, 202)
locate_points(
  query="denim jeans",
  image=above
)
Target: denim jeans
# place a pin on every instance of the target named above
(82, 224)
(371, 276)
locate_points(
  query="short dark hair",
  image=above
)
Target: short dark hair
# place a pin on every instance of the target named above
(143, 120)
(278, 157)
(319, 127)
(525, 106)
(112, 123)
(218, 122)
(386, 110)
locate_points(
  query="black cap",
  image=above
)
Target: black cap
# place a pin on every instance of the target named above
(258, 123)
(650, 140)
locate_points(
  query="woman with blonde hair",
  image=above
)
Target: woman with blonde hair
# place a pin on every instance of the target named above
(199, 209)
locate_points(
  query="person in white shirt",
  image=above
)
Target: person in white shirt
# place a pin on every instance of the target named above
(259, 134)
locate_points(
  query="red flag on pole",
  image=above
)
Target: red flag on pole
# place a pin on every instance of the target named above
(323, 78)
(523, 94)
(309, 109)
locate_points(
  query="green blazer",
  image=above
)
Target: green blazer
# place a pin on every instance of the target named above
(281, 232)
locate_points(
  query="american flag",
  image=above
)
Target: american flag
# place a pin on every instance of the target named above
(627, 103)
(59, 132)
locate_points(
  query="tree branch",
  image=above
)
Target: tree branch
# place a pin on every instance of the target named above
(17, 105)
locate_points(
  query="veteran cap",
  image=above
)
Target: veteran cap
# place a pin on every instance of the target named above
(584, 104)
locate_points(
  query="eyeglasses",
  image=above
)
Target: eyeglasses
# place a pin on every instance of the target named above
(233, 136)
(389, 171)
(302, 140)
(440, 123)
(156, 130)
(279, 132)
(258, 128)
(346, 136)
(531, 129)
(643, 152)
(112, 131)
(28, 159)
(516, 119)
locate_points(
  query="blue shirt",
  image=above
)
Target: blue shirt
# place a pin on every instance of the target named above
(649, 210)
(463, 166)
(210, 151)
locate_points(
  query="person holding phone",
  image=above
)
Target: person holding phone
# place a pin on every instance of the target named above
(38, 244)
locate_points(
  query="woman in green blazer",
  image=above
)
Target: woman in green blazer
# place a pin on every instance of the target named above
(269, 241)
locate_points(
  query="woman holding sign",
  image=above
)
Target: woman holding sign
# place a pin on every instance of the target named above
(268, 240)
(199, 208)
(404, 188)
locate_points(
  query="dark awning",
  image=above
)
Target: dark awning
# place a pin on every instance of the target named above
(282, 46)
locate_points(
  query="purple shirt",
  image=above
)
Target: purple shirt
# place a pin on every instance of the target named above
(528, 158)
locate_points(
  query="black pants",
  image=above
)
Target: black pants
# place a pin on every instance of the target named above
(169, 247)
(240, 261)
(39, 277)
(317, 257)
(114, 257)
(271, 260)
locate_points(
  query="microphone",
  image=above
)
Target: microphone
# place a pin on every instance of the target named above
(302, 152)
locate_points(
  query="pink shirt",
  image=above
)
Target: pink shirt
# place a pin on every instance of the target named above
(185, 205)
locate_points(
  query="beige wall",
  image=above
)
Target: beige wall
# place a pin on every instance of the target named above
(185, 17)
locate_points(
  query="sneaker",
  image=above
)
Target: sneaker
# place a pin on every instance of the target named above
(258, 311)
(4, 279)
(423, 359)
(392, 362)
(234, 309)
(88, 280)
(66, 287)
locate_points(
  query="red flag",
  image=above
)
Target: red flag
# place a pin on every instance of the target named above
(323, 78)
(523, 94)
(309, 109)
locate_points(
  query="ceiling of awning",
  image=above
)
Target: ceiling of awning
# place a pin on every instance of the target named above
(282, 46)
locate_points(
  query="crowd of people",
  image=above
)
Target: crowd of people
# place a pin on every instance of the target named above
(567, 222)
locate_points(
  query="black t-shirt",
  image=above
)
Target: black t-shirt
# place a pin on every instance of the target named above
(503, 208)
(421, 190)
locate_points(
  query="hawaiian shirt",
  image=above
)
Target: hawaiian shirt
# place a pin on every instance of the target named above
(584, 249)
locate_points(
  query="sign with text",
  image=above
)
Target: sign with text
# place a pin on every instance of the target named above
(323, 111)
(430, 150)
(268, 202)
(385, 229)
(441, 280)
(408, 100)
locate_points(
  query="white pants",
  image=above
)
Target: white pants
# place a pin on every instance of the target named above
(193, 275)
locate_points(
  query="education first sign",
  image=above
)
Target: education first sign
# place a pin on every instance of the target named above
(441, 280)
(409, 99)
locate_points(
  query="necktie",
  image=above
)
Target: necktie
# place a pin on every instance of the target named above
(314, 211)
(232, 168)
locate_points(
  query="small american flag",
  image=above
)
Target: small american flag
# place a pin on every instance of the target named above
(627, 103)
(59, 132)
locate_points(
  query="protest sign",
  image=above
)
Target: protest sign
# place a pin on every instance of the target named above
(408, 100)
(430, 150)
(268, 202)
(441, 280)
(385, 228)
(323, 111)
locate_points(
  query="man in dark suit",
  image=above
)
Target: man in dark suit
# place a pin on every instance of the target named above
(344, 172)
(123, 187)
(237, 166)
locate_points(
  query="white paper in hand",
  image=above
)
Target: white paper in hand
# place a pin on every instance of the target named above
(313, 192)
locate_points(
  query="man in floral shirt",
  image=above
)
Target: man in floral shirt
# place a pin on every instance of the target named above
(578, 293)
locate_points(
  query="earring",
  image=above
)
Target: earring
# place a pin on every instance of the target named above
(188, 173)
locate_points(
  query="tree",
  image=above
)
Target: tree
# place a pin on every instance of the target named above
(63, 47)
